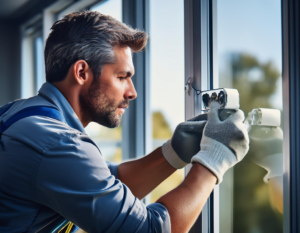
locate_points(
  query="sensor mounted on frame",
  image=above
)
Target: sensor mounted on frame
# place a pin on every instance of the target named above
(227, 98)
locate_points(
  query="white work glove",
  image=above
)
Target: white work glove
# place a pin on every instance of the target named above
(185, 142)
(224, 143)
(266, 149)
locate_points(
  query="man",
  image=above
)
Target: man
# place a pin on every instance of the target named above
(51, 170)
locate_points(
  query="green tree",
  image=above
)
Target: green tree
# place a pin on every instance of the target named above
(254, 92)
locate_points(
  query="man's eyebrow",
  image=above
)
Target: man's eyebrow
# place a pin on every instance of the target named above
(127, 73)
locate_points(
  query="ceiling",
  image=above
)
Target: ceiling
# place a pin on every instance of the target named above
(9, 7)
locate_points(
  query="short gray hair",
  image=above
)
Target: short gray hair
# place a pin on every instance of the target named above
(89, 36)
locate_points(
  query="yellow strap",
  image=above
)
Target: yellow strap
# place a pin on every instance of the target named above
(69, 226)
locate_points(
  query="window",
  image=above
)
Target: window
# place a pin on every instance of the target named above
(33, 67)
(39, 62)
(249, 57)
(166, 78)
(111, 7)
(237, 45)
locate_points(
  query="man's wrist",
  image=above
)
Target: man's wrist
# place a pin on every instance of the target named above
(204, 170)
(215, 156)
(171, 156)
(199, 174)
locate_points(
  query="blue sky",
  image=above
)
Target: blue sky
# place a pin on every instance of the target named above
(250, 26)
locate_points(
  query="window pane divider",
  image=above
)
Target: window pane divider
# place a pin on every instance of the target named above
(201, 66)
(291, 85)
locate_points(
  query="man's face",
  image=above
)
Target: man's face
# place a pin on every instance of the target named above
(109, 94)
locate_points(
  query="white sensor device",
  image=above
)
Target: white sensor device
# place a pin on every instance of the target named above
(227, 98)
(265, 117)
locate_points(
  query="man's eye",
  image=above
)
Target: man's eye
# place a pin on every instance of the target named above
(121, 78)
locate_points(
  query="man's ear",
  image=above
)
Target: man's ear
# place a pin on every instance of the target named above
(82, 72)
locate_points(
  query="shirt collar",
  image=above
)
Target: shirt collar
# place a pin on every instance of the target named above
(51, 93)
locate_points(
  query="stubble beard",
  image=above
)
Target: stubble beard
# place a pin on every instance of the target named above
(97, 107)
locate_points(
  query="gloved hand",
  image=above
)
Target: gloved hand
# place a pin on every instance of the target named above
(185, 142)
(266, 149)
(224, 143)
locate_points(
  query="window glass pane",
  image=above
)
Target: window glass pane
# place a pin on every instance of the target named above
(108, 140)
(110, 7)
(166, 77)
(27, 82)
(33, 67)
(39, 63)
(249, 53)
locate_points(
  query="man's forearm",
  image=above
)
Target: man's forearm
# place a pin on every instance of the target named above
(185, 202)
(144, 174)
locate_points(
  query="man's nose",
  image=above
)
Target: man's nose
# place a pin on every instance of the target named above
(130, 92)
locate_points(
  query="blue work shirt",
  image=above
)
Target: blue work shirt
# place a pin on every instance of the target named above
(50, 169)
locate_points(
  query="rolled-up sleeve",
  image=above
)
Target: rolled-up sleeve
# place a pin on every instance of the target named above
(74, 180)
(113, 167)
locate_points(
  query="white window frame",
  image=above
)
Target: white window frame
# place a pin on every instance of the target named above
(29, 32)
(201, 72)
